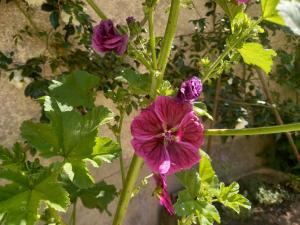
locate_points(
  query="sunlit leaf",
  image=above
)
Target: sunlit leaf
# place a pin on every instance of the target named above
(255, 54)
(269, 11)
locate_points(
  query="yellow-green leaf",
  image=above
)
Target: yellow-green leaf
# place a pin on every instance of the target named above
(255, 54)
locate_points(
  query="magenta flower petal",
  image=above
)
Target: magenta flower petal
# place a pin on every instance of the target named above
(106, 38)
(164, 197)
(184, 156)
(170, 111)
(191, 130)
(155, 154)
(167, 135)
(145, 129)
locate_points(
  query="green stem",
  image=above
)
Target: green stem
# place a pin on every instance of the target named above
(254, 131)
(74, 213)
(133, 173)
(219, 60)
(168, 38)
(97, 10)
(152, 37)
(119, 142)
(153, 53)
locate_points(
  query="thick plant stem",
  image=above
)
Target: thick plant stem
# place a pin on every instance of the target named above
(253, 131)
(120, 143)
(168, 38)
(153, 52)
(133, 173)
(74, 213)
(152, 37)
(97, 10)
(277, 114)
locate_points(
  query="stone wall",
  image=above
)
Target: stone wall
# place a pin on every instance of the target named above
(231, 159)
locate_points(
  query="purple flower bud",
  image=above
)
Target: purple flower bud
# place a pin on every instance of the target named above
(190, 90)
(130, 19)
(106, 38)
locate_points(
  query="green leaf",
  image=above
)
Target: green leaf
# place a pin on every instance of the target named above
(98, 196)
(269, 11)
(206, 171)
(186, 205)
(230, 8)
(201, 110)
(105, 150)
(290, 12)
(190, 179)
(139, 83)
(255, 54)
(20, 203)
(13, 157)
(230, 197)
(70, 135)
(54, 19)
(75, 89)
(81, 176)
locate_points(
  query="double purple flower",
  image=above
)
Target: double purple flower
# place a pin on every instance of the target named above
(106, 38)
(190, 90)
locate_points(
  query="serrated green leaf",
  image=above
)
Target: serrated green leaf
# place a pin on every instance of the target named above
(13, 157)
(230, 8)
(206, 171)
(190, 179)
(139, 83)
(20, 203)
(105, 150)
(230, 197)
(98, 196)
(186, 205)
(81, 175)
(70, 135)
(290, 12)
(269, 11)
(75, 89)
(255, 54)
(208, 215)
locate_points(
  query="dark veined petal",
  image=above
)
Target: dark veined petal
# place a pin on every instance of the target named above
(170, 111)
(146, 125)
(183, 155)
(191, 130)
(154, 153)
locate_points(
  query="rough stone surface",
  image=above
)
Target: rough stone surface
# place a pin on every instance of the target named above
(231, 159)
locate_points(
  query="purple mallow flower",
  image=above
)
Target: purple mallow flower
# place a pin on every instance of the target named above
(190, 90)
(106, 38)
(167, 135)
(162, 193)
